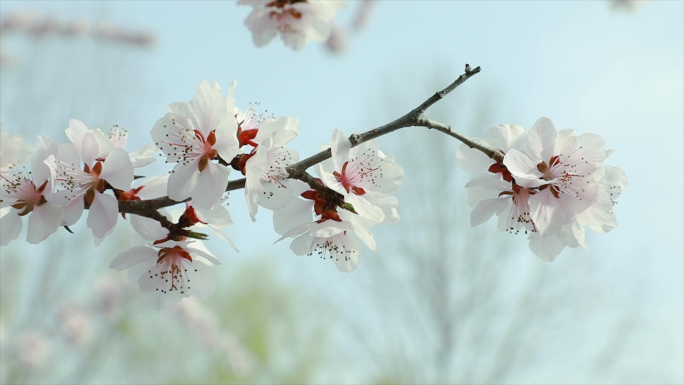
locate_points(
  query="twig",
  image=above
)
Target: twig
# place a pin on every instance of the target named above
(415, 118)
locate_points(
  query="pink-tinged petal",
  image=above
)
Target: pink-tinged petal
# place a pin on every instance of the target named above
(302, 245)
(222, 235)
(76, 131)
(202, 280)
(542, 208)
(578, 235)
(600, 213)
(154, 187)
(486, 208)
(211, 185)
(389, 180)
(541, 140)
(39, 169)
(367, 238)
(117, 169)
(104, 144)
(149, 228)
(89, 149)
(506, 136)
(297, 213)
(365, 208)
(182, 181)
(227, 143)
(144, 156)
(10, 225)
(329, 228)
(471, 160)
(230, 100)
(275, 196)
(183, 109)
(217, 216)
(340, 147)
(150, 289)
(523, 169)
(347, 262)
(279, 131)
(68, 153)
(196, 248)
(255, 167)
(43, 221)
(208, 106)
(103, 214)
(73, 211)
(288, 131)
(546, 248)
(573, 205)
(134, 256)
(325, 171)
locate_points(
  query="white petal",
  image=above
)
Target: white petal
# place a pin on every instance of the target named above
(296, 213)
(10, 225)
(472, 160)
(76, 131)
(546, 248)
(89, 149)
(103, 213)
(541, 140)
(73, 211)
(211, 185)
(201, 280)
(43, 221)
(117, 169)
(182, 181)
(486, 208)
(208, 106)
(134, 256)
(148, 228)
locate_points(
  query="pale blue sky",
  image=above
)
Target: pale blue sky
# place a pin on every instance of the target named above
(586, 66)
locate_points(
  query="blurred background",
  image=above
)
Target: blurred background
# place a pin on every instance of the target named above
(440, 302)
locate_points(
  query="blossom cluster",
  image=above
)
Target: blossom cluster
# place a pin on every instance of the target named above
(550, 185)
(546, 183)
(205, 139)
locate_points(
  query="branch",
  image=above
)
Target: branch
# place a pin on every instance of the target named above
(415, 117)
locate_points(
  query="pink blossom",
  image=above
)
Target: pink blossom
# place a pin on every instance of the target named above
(362, 174)
(169, 272)
(331, 234)
(24, 193)
(84, 186)
(550, 185)
(265, 168)
(193, 135)
(297, 21)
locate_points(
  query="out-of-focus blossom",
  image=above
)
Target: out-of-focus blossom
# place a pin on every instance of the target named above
(193, 135)
(74, 323)
(109, 295)
(33, 349)
(338, 42)
(297, 21)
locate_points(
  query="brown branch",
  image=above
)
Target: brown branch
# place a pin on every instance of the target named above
(416, 118)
